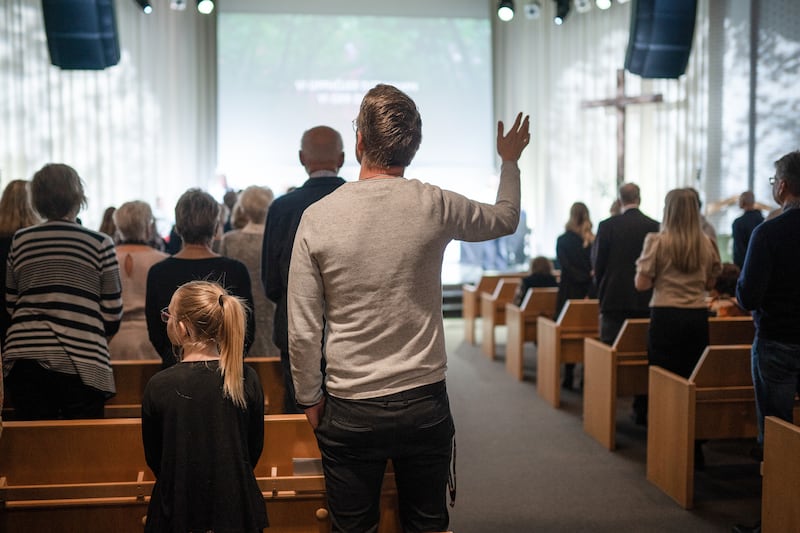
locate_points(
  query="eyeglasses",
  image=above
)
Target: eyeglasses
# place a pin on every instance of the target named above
(165, 316)
(773, 180)
(355, 125)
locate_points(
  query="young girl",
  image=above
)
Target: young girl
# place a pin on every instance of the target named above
(203, 420)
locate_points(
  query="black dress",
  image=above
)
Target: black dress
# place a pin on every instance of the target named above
(576, 269)
(203, 449)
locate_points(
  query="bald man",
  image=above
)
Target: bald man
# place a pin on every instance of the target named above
(322, 155)
(744, 225)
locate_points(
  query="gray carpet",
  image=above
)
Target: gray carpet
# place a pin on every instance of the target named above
(523, 466)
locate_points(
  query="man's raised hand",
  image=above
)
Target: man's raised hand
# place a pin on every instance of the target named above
(510, 146)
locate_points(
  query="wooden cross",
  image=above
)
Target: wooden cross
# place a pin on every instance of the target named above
(621, 102)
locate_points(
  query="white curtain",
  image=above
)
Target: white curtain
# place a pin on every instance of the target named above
(143, 129)
(547, 71)
(720, 128)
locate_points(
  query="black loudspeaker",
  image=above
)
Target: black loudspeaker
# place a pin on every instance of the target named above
(660, 37)
(81, 34)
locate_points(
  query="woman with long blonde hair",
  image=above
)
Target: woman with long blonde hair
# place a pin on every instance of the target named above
(16, 213)
(203, 419)
(680, 263)
(573, 251)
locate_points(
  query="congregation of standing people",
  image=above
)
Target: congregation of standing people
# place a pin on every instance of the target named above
(357, 324)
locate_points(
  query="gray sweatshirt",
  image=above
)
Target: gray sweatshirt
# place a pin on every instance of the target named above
(366, 266)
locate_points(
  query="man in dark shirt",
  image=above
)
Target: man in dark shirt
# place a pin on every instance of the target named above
(744, 225)
(768, 286)
(322, 155)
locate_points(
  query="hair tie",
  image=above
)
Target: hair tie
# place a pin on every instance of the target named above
(220, 300)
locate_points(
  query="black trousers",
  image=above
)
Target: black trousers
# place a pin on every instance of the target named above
(41, 394)
(414, 429)
(677, 338)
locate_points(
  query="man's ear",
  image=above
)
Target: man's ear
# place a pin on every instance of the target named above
(340, 163)
(359, 146)
(301, 158)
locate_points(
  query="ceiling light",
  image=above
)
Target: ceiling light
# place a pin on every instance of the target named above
(205, 6)
(603, 4)
(145, 5)
(562, 10)
(505, 10)
(533, 10)
(583, 6)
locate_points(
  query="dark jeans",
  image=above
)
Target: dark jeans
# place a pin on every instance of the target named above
(41, 394)
(415, 430)
(776, 378)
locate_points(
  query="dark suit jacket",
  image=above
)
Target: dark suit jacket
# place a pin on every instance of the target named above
(283, 218)
(616, 248)
(742, 229)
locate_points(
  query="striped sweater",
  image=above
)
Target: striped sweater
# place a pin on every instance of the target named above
(64, 296)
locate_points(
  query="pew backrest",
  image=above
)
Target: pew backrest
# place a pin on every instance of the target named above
(725, 366)
(72, 451)
(731, 330)
(286, 437)
(781, 470)
(270, 374)
(131, 378)
(632, 338)
(539, 301)
(579, 315)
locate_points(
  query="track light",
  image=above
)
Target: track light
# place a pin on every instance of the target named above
(562, 10)
(533, 10)
(583, 6)
(603, 4)
(505, 10)
(205, 6)
(145, 5)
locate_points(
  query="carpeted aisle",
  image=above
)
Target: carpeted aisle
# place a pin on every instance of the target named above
(523, 466)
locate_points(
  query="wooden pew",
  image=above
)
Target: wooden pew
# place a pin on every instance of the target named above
(130, 378)
(561, 342)
(731, 330)
(780, 491)
(493, 312)
(716, 402)
(610, 372)
(270, 374)
(521, 325)
(621, 370)
(471, 299)
(90, 476)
